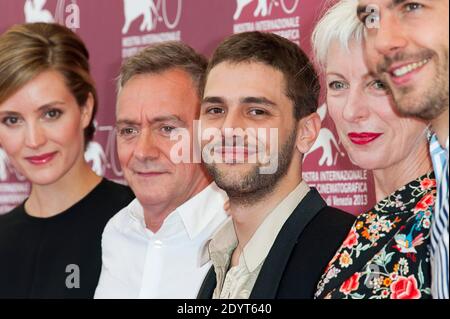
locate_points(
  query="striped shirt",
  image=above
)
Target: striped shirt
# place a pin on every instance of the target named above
(440, 226)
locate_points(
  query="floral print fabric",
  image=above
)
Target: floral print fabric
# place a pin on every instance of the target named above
(385, 255)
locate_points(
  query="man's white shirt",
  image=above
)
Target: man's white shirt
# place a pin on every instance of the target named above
(138, 263)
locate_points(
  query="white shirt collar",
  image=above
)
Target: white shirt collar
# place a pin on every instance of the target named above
(198, 212)
(140, 264)
(261, 242)
(224, 232)
(195, 214)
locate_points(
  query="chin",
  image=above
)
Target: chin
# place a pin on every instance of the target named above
(155, 199)
(370, 166)
(227, 183)
(43, 180)
(366, 163)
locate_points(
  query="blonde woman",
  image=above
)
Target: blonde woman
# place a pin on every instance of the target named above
(385, 254)
(50, 245)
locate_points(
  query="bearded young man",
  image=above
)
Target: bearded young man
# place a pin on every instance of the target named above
(281, 234)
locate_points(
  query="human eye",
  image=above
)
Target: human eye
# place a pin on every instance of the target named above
(167, 129)
(337, 85)
(410, 10)
(378, 85)
(257, 112)
(11, 120)
(52, 114)
(127, 131)
(215, 110)
(412, 6)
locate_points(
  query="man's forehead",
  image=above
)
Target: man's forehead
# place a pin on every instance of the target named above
(363, 4)
(389, 4)
(375, 6)
(150, 118)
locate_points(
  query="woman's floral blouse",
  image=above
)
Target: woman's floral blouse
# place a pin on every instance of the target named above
(385, 255)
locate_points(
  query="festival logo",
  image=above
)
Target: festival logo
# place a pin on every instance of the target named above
(66, 12)
(328, 168)
(325, 142)
(4, 166)
(103, 156)
(149, 21)
(277, 16)
(95, 155)
(11, 193)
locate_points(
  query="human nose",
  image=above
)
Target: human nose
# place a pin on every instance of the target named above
(35, 136)
(232, 124)
(146, 146)
(355, 108)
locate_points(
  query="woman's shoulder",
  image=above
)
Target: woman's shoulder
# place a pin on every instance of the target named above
(12, 216)
(392, 235)
(118, 195)
(113, 185)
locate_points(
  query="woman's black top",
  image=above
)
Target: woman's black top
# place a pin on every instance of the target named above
(60, 256)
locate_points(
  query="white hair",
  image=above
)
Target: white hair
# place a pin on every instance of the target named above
(339, 23)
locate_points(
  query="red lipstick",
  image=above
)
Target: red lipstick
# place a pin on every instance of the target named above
(363, 138)
(41, 159)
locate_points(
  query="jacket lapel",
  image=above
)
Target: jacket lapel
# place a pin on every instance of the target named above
(209, 284)
(272, 271)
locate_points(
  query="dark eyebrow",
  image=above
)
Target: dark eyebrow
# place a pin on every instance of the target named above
(127, 122)
(49, 105)
(361, 11)
(168, 118)
(396, 3)
(244, 100)
(257, 100)
(40, 109)
(155, 120)
(363, 8)
(213, 100)
(9, 113)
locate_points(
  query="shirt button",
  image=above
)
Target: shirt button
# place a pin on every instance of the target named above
(158, 244)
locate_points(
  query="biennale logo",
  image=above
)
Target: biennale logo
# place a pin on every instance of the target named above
(4, 166)
(281, 17)
(151, 13)
(95, 155)
(6, 169)
(325, 141)
(102, 158)
(264, 8)
(35, 12)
